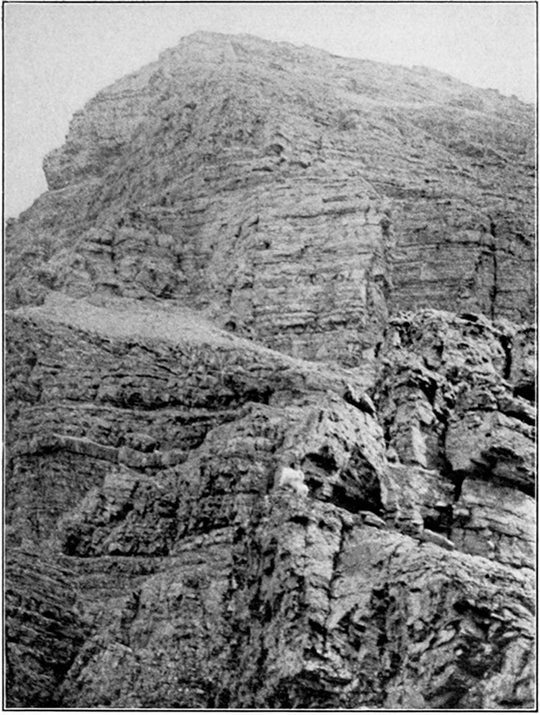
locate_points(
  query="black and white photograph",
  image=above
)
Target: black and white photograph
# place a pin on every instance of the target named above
(270, 356)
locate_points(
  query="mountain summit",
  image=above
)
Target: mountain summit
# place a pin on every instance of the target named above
(231, 156)
(255, 257)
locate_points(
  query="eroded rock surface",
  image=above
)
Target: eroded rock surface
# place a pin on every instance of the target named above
(246, 261)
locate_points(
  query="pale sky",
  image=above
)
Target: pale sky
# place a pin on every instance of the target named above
(57, 56)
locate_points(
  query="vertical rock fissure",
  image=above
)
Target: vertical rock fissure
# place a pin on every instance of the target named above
(334, 576)
(506, 344)
(494, 287)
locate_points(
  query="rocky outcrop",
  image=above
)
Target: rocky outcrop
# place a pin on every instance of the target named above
(453, 420)
(246, 262)
(43, 626)
(286, 192)
(190, 560)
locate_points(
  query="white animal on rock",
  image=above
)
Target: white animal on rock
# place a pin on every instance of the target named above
(294, 479)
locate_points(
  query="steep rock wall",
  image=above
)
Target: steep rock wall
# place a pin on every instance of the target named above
(201, 583)
(286, 191)
(212, 289)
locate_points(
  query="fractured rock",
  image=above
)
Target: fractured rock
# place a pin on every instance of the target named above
(246, 263)
(431, 537)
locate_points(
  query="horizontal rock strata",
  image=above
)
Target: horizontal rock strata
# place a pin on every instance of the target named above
(254, 257)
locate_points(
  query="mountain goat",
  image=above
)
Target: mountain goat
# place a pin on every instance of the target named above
(293, 479)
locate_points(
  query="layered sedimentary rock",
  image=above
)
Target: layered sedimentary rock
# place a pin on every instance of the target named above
(270, 184)
(254, 256)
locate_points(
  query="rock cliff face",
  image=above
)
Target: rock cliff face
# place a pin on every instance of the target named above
(251, 256)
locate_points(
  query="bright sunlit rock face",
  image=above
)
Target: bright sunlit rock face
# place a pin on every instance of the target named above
(253, 255)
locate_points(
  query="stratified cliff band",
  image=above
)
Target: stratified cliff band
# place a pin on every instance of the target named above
(254, 256)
